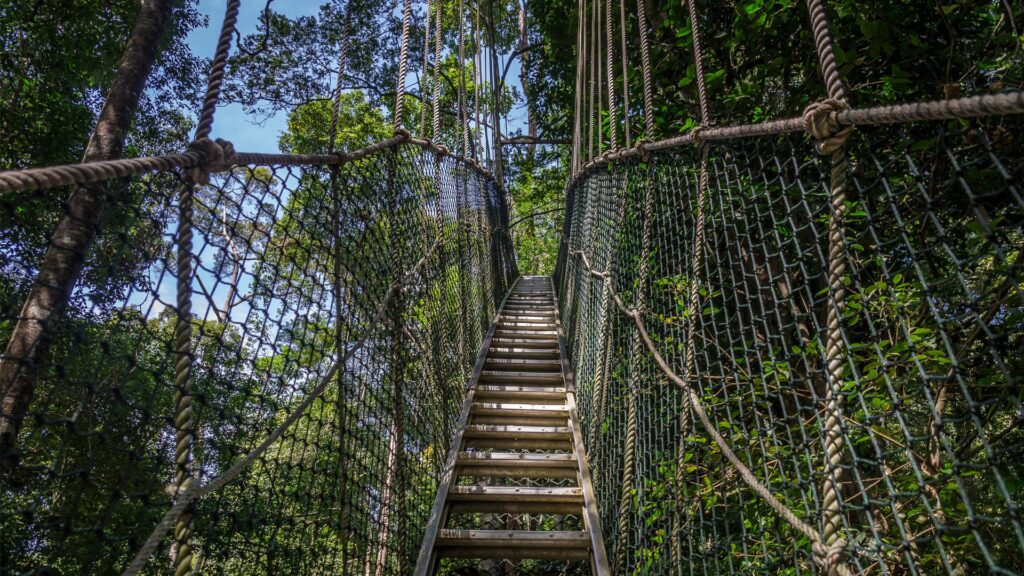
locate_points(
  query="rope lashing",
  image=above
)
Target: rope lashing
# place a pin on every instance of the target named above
(832, 557)
(821, 123)
(830, 140)
(218, 156)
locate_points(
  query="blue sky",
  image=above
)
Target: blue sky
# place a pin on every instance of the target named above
(231, 122)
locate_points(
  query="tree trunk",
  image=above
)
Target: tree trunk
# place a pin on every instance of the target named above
(61, 266)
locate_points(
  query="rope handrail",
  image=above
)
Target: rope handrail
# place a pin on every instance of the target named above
(965, 107)
(30, 179)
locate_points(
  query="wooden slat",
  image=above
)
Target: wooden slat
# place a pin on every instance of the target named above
(515, 500)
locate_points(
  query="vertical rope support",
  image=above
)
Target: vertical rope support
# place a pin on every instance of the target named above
(822, 125)
(437, 75)
(593, 76)
(346, 30)
(577, 110)
(823, 45)
(476, 83)
(635, 352)
(625, 75)
(645, 61)
(423, 74)
(403, 54)
(613, 136)
(338, 282)
(697, 255)
(216, 76)
(462, 82)
(599, 65)
(183, 422)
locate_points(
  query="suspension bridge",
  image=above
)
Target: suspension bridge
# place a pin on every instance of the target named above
(785, 347)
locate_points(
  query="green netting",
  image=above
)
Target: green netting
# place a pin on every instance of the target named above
(931, 477)
(395, 261)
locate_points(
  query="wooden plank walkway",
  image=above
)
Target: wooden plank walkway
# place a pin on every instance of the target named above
(518, 426)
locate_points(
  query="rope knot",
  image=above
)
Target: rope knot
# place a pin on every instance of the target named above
(405, 134)
(443, 150)
(695, 134)
(641, 148)
(218, 156)
(821, 123)
(831, 556)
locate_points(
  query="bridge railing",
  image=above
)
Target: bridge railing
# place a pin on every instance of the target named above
(709, 414)
(267, 367)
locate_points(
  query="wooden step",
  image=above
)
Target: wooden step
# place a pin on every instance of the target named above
(524, 325)
(514, 544)
(514, 353)
(549, 335)
(516, 409)
(522, 394)
(515, 465)
(533, 432)
(524, 343)
(523, 364)
(511, 437)
(520, 378)
(515, 500)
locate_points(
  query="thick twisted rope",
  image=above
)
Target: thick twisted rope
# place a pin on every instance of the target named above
(462, 79)
(577, 133)
(823, 46)
(339, 84)
(599, 60)
(436, 111)
(822, 126)
(216, 76)
(613, 136)
(216, 156)
(645, 61)
(423, 74)
(626, 499)
(184, 425)
(592, 46)
(830, 142)
(403, 63)
(697, 255)
(625, 75)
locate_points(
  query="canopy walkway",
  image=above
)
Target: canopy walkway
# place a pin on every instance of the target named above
(785, 347)
(519, 449)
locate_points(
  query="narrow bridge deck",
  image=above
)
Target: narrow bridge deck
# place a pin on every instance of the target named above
(516, 485)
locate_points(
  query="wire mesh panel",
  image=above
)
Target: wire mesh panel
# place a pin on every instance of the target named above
(336, 311)
(930, 475)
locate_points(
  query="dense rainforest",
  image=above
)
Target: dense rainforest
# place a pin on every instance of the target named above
(92, 472)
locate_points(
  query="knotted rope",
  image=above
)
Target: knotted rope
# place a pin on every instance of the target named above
(217, 156)
(822, 125)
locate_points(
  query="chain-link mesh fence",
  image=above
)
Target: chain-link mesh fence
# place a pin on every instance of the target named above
(933, 327)
(367, 286)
